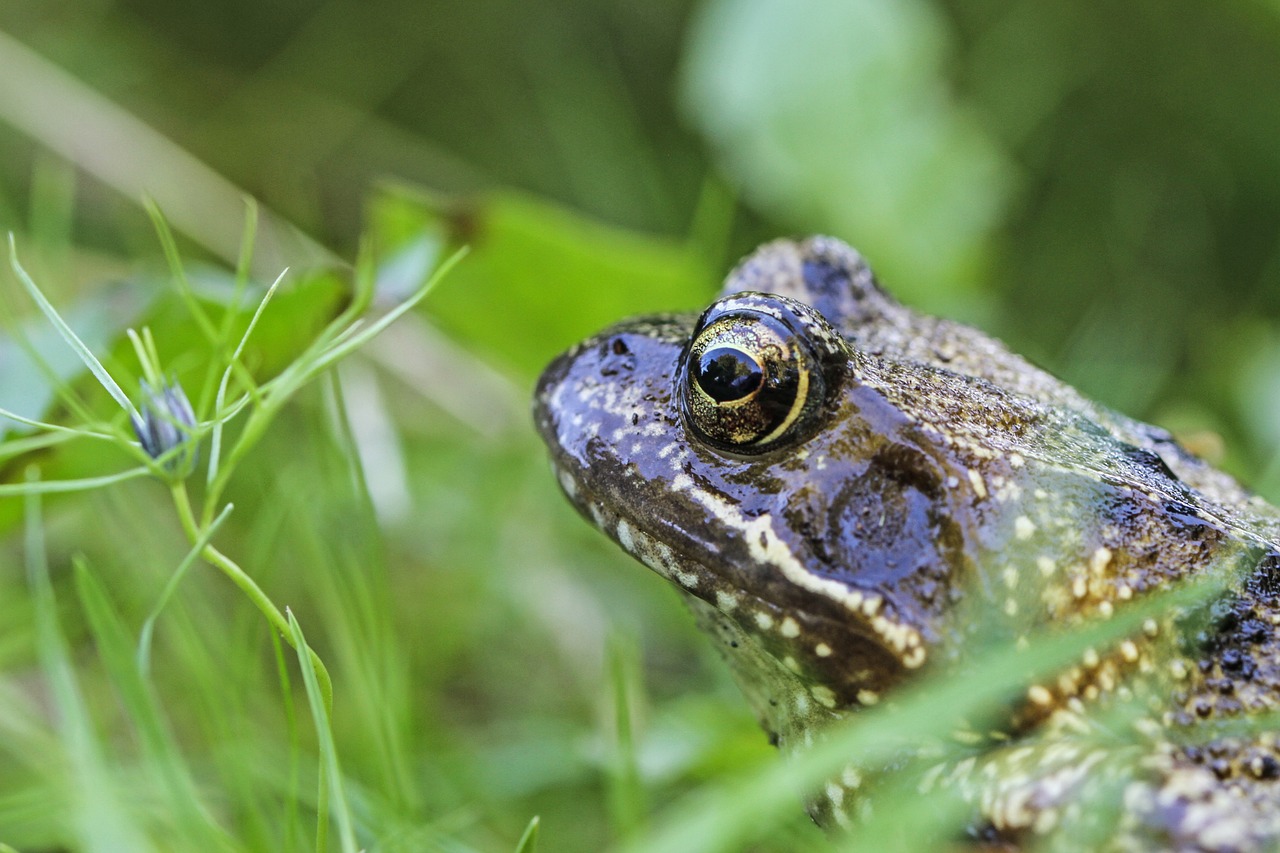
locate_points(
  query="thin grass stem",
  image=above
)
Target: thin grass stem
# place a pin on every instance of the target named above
(45, 487)
(148, 627)
(72, 339)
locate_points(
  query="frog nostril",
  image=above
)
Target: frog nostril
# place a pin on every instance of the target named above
(615, 356)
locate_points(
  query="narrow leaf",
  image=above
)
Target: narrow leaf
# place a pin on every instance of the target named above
(328, 750)
(529, 841)
(90, 361)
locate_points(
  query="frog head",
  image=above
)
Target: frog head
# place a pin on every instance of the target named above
(745, 455)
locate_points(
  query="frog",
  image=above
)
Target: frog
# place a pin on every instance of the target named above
(850, 494)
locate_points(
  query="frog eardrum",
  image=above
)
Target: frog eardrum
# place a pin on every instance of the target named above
(755, 373)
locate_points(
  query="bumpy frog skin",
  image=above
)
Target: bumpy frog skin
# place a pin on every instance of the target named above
(848, 493)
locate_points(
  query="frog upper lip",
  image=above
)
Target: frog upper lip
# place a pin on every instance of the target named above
(862, 633)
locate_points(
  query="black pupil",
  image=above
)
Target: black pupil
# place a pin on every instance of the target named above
(728, 374)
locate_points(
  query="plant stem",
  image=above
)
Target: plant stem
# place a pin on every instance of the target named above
(249, 587)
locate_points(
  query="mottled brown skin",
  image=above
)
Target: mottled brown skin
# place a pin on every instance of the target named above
(849, 493)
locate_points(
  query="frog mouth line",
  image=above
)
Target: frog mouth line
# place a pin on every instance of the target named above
(765, 547)
(903, 642)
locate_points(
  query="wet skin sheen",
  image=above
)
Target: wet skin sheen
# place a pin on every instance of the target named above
(848, 492)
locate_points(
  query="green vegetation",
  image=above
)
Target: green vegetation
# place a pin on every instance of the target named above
(343, 608)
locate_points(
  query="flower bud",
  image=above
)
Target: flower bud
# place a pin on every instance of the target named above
(167, 422)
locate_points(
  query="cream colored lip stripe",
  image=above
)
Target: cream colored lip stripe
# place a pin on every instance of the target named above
(766, 548)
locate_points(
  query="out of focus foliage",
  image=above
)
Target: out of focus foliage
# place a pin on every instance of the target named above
(1097, 183)
(1078, 176)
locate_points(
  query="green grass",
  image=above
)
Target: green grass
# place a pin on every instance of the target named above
(478, 671)
(455, 689)
(351, 610)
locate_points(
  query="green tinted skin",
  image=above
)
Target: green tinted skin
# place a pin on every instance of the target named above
(850, 494)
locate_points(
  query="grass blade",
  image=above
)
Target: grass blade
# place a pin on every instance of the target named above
(726, 818)
(72, 339)
(626, 792)
(328, 750)
(88, 433)
(340, 351)
(170, 247)
(42, 487)
(174, 783)
(103, 824)
(215, 444)
(143, 654)
(529, 841)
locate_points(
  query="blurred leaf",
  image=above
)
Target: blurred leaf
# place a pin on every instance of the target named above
(172, 778)
(839, 119)
(96, 811)
(539, 277)
(404, 270)
(109, 142)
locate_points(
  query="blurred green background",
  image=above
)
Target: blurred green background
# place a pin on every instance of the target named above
(1096, 183)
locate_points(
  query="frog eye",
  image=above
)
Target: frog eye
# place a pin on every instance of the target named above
(754, 372)
(728, 374)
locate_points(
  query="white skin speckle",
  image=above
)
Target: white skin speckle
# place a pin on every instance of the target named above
(979, 487)
(930, 778)
(624, 537)
(688, 580)
(835, 794)
(726, 601)
(567, 483)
